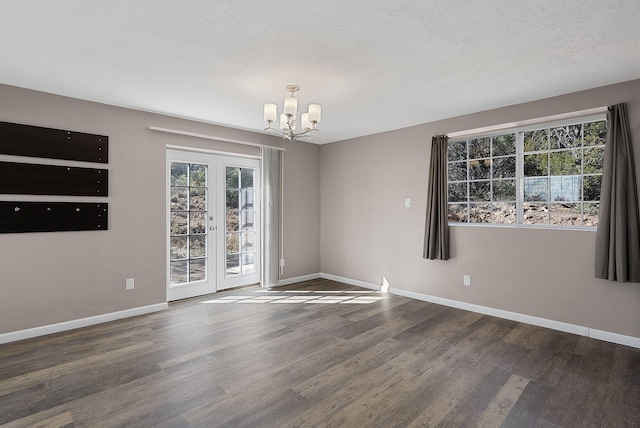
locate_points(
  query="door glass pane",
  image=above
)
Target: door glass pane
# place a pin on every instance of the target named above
(197, 175)
(233, 199)
(179, 199)
(247, 178)
(246, 220)
(233, 243)
(248, 241)
(197, 270)
(232, 224)
(197, 222)
(179, 174)
(198, 199)
(188, 227)
(248, 263)
(240, 216)
(233, 264)
(179, 272)
(246, 198)
(179, 223)
(178, 247)
(197, 246)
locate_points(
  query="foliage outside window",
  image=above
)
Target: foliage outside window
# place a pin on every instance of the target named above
(547, 176)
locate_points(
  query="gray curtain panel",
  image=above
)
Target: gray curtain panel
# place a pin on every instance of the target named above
(436, 234)
(618, 235)
(272, 162)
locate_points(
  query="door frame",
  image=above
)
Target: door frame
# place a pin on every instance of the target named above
(215, 243)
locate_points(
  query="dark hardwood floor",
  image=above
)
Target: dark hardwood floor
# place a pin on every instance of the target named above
(317, 353)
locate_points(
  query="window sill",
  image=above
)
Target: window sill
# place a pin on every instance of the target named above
(525, 226)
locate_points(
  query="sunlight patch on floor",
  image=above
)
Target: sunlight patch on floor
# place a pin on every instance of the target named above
(360, 297)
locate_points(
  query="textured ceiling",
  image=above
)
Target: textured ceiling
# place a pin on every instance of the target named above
(373, 65)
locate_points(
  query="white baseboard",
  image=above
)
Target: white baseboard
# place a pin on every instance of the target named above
(620, 339)
(607, 336)
(513, 316)
(82, 322)
(527, 319)
(350, 281)
(303, 278)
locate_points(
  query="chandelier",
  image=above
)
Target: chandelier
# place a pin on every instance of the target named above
(309, 120)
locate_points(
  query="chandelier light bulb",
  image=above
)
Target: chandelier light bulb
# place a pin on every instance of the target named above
(291, 106)
(270, 112)
(314, 113)
(306, 124)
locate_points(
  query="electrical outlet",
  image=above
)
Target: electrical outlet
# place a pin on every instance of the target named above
(466, 280)
(130, 284)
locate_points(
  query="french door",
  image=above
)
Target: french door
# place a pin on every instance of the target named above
(213, 211)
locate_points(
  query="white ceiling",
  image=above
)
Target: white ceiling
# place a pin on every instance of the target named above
(373, 65)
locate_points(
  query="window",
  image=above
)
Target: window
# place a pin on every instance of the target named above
(545, 176)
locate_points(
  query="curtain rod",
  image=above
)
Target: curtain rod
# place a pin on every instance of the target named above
(528, 122)
(211, 137)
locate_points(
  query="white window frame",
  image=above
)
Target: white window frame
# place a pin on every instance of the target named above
(519, 132)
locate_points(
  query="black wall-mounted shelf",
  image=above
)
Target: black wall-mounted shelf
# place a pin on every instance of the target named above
(19, 216)
(36, 179)
(35, 141)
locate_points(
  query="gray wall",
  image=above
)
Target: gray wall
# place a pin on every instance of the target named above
(366, 232)
(47, 278)
(344, 215)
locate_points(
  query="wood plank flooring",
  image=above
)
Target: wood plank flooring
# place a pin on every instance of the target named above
(317, 354)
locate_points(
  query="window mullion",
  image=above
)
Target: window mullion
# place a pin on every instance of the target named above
(520, 177)
(468, 184)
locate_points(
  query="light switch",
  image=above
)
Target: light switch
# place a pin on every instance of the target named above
(407, 203)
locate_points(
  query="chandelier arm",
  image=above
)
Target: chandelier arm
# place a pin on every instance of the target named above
(305, 133)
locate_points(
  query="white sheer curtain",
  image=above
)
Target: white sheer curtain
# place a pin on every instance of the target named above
(272, 163)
